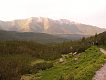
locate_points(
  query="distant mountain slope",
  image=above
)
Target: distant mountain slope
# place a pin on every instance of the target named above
(72, 36)
(30, 36)
(46, 25)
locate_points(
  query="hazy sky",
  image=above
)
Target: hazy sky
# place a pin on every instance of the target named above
(84, 11)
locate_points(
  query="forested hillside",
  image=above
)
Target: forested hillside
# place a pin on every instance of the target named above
(16, 57)
(30, 36)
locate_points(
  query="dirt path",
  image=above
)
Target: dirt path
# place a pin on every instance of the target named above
(101, 73)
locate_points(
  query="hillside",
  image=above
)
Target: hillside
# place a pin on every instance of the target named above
(81, 66)
(72, 36)
(29, 59)
(30, 36)
(46, 25)
(98, 39)
(39, 37)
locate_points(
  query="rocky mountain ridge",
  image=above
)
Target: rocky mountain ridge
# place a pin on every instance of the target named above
(50, 26)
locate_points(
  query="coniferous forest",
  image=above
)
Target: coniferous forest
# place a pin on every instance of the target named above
(20, 57)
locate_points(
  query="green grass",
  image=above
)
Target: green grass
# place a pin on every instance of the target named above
(103, 46)
(81, 69)
(35, 61)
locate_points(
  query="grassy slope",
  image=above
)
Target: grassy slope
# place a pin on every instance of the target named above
(81, 69)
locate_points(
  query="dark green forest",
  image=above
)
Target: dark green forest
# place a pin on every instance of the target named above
(16, 55)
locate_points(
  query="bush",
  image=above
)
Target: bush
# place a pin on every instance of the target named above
(41, 66)
(70, 77)
(12, 67)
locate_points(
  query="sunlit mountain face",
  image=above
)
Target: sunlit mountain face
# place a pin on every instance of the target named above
(50, 26)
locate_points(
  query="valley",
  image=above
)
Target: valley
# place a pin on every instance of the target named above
(69, 60)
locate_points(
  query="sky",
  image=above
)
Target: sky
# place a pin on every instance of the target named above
(91, 12)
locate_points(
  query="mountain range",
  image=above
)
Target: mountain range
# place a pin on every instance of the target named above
(49, 26)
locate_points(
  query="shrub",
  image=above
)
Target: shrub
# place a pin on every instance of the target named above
(41, 66)
(12, 67)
